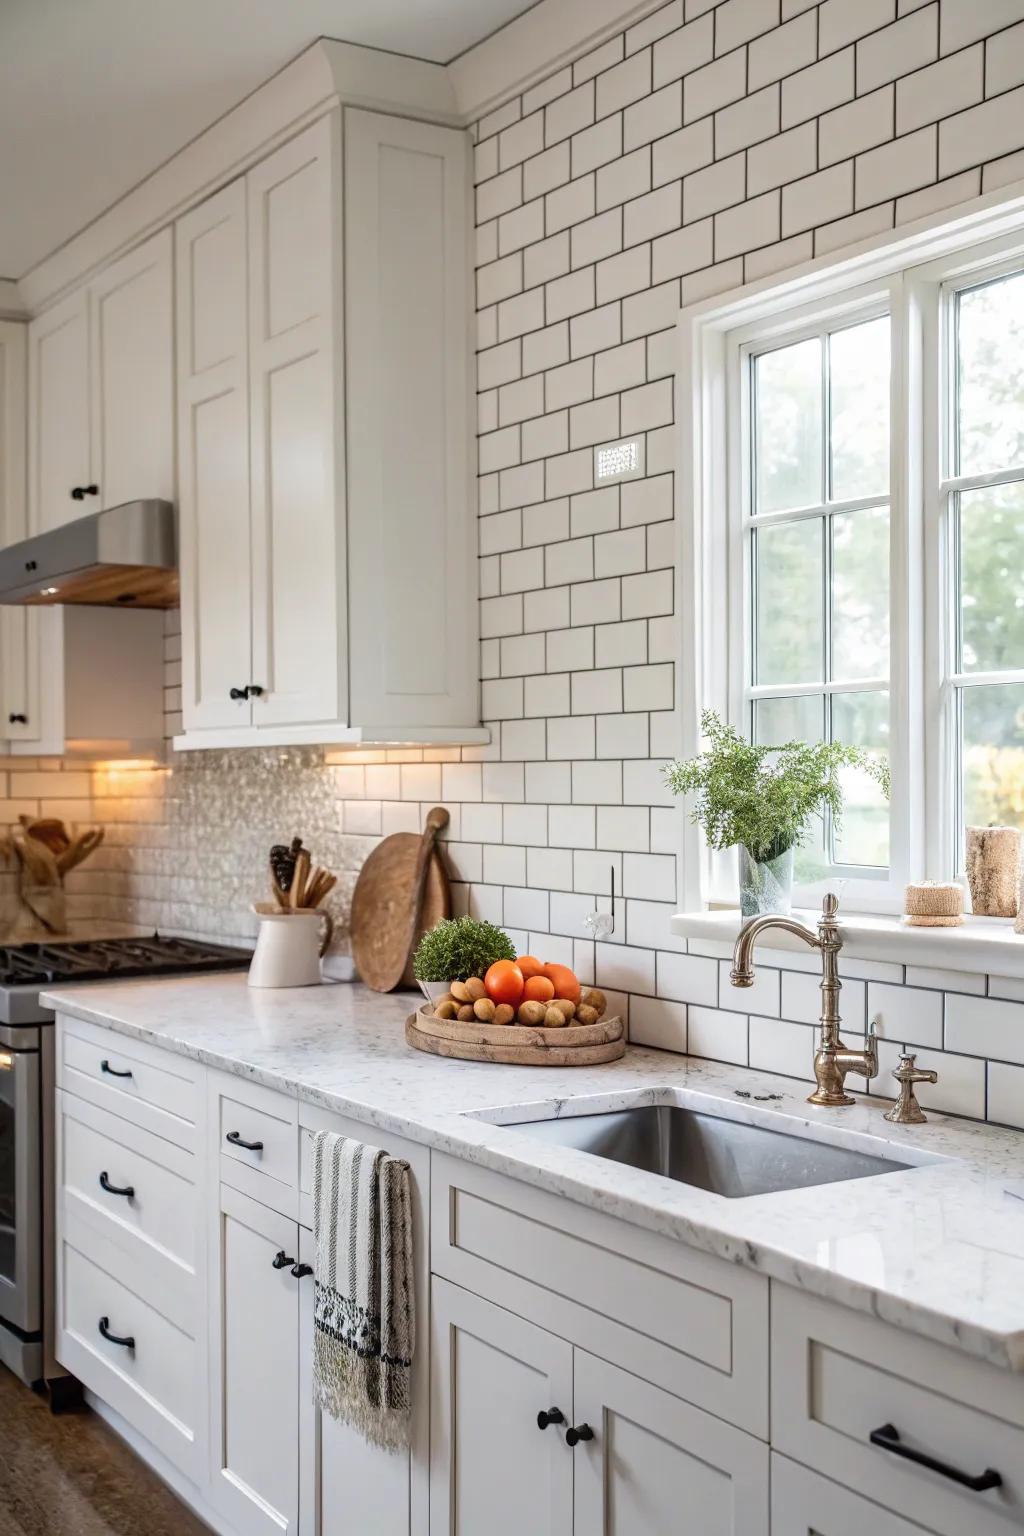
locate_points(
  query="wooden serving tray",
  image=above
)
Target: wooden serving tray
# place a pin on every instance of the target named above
(577, 1045)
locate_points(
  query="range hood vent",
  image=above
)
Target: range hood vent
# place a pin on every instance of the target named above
(125, 557)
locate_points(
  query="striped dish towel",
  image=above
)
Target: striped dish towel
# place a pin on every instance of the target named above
(364, 1322)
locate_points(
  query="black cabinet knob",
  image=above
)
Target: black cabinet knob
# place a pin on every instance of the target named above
(17, 719)
(236, 1141)
(550, 1416)
(238, 694)
(255, 690)
(300, 1271)
(282, 1260)
(80, 492)
(31, 565)
(577, 1433)
(126, 1341)
(127, 1190)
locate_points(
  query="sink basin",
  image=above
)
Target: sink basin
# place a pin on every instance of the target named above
(727, 1157)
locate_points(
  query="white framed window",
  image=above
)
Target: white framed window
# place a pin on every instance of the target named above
(853, 541)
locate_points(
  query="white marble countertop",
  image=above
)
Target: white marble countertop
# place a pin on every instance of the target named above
(938, 1249)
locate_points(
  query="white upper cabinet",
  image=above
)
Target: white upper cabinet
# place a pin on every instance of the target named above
(59, 448)
(324, 443)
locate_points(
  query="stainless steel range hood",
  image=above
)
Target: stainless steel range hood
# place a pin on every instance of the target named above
(125, 557)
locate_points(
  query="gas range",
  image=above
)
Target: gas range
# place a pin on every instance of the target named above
(28, 969)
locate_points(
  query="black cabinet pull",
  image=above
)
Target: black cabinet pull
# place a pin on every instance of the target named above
(255, 690)
(577, 1433)
(550, 1416)
(300, 1271)
(80, 492)
(888, 1439)
(282, 1260)
(127, 1190)
(126, 1341)
(238, 694)
(31, 565)
(236, 1140)
(17, 719)
(112, 1071)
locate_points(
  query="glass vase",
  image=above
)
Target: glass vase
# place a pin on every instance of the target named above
(766, 885)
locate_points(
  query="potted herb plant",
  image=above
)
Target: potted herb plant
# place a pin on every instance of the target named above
(455, 949)
(761, 799)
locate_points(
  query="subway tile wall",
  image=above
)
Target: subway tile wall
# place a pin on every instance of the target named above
(705, 146)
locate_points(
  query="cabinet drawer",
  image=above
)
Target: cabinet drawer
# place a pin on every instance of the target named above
(100, 1155)
(155, 1383)
(690, 1323)
(258, 1135)
(139, 1082)
(837, 1375)
(804, 1504)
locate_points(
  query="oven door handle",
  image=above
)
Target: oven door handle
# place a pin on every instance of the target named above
(127, 1190)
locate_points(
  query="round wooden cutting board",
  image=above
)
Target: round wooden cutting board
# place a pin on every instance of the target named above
(402, 890)
(578, 1045)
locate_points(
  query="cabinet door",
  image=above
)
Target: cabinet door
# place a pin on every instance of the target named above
(657, 1464)
(805, 1504)
(213, 454)
(19, 659)
(412, 523)
(347, 1487)
(132, 376)
(492, 1469)
(255, 1419)
(59, 450)
(298, 530)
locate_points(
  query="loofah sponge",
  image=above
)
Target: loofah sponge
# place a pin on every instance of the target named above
(933, 906)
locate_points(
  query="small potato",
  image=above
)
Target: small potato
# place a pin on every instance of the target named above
(447, 998)
(585, 1014)
(595, 998)
(446, 1009)
(554, 1018)
(465, 1014)
(475, 988)
(504, 1014)
(565, 1007)
(531, 1013)
(461, 992)
(484, 1010)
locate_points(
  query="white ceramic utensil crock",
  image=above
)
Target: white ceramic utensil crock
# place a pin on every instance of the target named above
(289, 947)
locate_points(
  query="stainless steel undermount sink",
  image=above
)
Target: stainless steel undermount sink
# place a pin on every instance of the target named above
(727, 1157)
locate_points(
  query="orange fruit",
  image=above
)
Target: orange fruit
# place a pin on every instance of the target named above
(564, 981)
(504, 983)
(529, 965)
(538, 989)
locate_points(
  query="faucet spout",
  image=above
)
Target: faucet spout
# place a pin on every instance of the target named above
(832, 1060)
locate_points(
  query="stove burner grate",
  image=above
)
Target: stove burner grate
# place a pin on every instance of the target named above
(45, 964)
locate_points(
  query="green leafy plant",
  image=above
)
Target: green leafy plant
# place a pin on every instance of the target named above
(763, 797)
(459, 947)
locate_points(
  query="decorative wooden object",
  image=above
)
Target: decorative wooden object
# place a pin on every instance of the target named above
(46, 852)
(401, 891)
(577, 1045)
(993, 870)
(297, 884)
(928, 905)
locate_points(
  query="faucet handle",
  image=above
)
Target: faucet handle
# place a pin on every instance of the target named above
(906, 1110)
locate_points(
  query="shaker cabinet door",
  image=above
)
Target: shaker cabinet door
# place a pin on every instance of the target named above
(297, 431)
(656, 1464)
(59, 453)
(213, 462)
(493, 1470)
(255, 1418)
(806, 1504)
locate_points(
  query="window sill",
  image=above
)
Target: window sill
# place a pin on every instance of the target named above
(984, 946)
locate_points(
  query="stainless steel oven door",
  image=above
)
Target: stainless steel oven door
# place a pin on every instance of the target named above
(20, 1190)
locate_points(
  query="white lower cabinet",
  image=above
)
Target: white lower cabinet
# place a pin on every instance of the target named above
(806, 1504)
(642, 1460)
(255, 1407)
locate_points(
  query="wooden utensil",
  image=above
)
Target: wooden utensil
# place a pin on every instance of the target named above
(388, 904)
(79, 849)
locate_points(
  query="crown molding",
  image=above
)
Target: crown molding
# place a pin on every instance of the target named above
(534, 46)
(324, 75)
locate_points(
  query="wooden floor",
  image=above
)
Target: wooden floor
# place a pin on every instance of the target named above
(69, 1475)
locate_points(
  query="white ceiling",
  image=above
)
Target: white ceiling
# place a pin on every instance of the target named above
(95, 94)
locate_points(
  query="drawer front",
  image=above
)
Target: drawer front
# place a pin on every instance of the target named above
(101, 1158)
(154, 1382)
(687, 1322)
(142, 1083)
(804, 1504)
(838, 1375)
(258, 1132)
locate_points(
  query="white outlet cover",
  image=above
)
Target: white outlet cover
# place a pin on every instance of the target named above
(621, 460)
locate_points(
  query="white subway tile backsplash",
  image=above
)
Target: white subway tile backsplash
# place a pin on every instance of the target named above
(715, 85)
(940, 90)
(782, 51)
(814, 90)
(656, 1021)
(906, 1014)
(896, 168)
(801, 999)
(717, 1035)
(984, 1026)
(1006, 1094)
(778, 1046)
